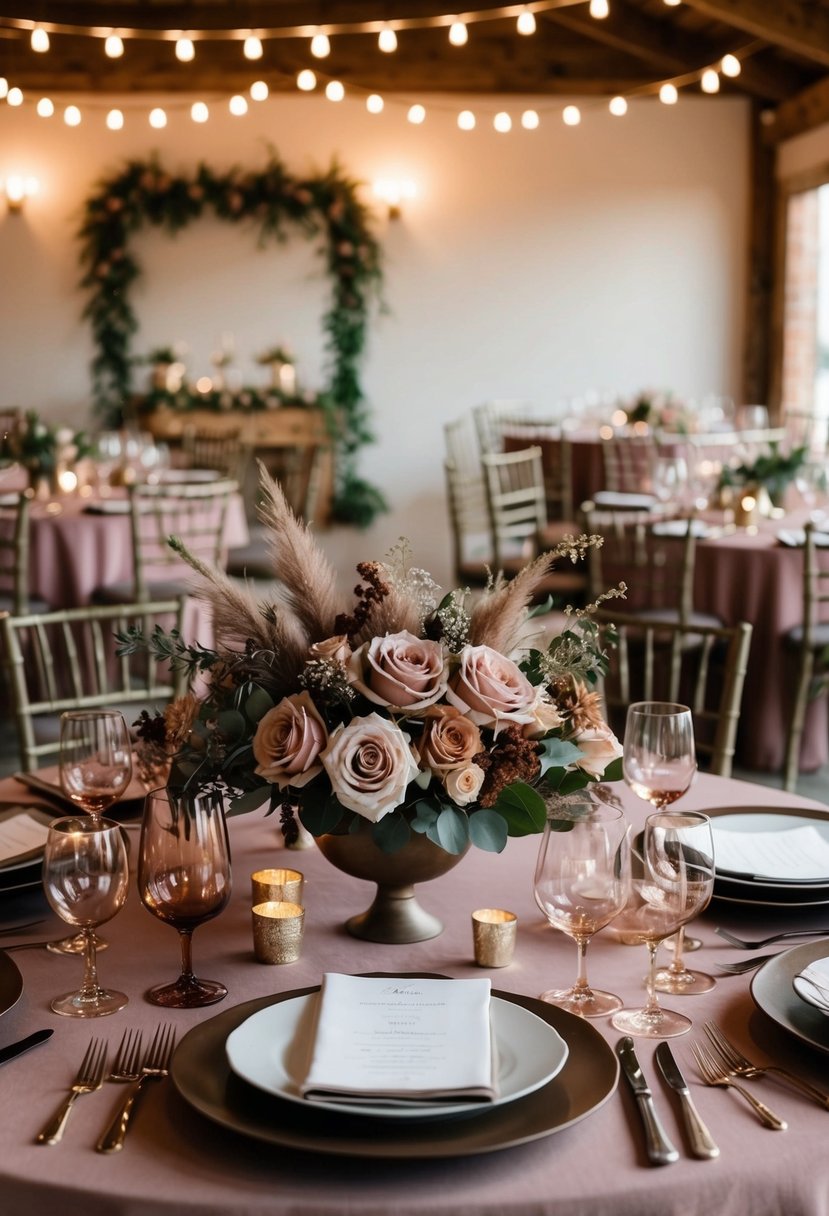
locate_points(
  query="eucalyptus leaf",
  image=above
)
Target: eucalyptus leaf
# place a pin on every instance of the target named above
(452, 828)
(391, 833)
(425, 816)
(488, 830)
(319, 814)
(557, 753)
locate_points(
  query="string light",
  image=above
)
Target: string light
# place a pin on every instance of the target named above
(710, 82)
(374, 103)
(4, 87)
(306, 80)
(466, 120)
(45, 107)
(158, 118)
(571, 116)
(115, 120)
(14, 97)
(502, 122)
(238, 105)
(416, 114)
(618, 107)
(672, 3)
(530, 120)
(458, 33)
(199, 112)
(320, 45)
(730, 65)
(253, 47)
(113, 46)
(72, 116)
(335, 90)
(387, 39)
(526, 22)
(259, 90)
(185, 51)
(599, 9)
(668, 95)
(39, 40)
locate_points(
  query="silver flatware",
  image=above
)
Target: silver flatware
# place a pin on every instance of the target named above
(700, 1139)
(743, 1067)
(767, 941)
(90, 1076)
(714, 1073)
(27, 924)
(16, 1049)
(659, 1148)
(26, 946)
(745, 964)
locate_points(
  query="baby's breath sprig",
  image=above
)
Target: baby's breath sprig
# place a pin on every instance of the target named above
(327, 682)
(455, 620)
(413, 582)
(613, 593)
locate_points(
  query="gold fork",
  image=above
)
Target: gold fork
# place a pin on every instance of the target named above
(739, 1064)
(155, 1065)
(127, 1066)
(90, 1077)
(713, 1074)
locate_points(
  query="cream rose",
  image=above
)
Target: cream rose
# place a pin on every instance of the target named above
(491, 689)
(599, 746)
(449, 739)
(288, 742)
(399, 671)
(336, 649)
(369, 763)
(464, 784)
(545, 718)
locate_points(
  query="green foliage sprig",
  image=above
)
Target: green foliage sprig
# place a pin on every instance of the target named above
(773, 469)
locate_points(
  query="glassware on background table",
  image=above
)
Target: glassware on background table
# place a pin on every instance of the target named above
(582, 881)
(184, 880)
(659, 766)
(670, 480)
(85, 877)
(671, 883)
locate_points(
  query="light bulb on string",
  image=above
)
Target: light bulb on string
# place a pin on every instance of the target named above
(730, 66)
(710, 81)
(14, 97)
(320, 45)
(115, 120)
(672, 3)
(113, 46)
(618, 107)
(374, 103)
(599, 9)
(72, 116)
(416, 114)
(4, 87)
(259, 91)
(185, 50)
(158, 118)
(199, 112)
(458, 33)
(39, 40)
(526, 22)
(530, 120)
(571, 116)
(252, 48)
(466, 120)
(238, 105)
(45, 107)
(668, 94)
(387, 39)
(502, 122)
(306, 80)
(335, 90)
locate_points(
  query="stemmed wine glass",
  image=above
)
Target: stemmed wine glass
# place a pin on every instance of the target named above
(672, 881)
(85, 877)
(184, 879)
(582, 881)
(659, 765)
(95, 763)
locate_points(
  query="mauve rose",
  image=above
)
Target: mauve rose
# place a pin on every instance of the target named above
(599, 747)
(449, 739)
(399, 671)
(491, 689)
(545, 718)
(288, 742)
(369, 763)
(464, 784)
(336, 649)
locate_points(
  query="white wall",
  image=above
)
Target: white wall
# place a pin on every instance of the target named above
(534, 265)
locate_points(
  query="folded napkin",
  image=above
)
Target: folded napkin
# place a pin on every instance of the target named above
(795, 538)
(624, 501)
(798, 854)
(108, 506)
(401, 1042)
(679, 527)
(812, 983)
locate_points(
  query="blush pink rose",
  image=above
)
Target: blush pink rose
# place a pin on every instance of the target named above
(449, 739)
(400, 671)
(336, 649)
(288, 742)
(464, 784)
(369, 763)
(599, 746)
(491, 689)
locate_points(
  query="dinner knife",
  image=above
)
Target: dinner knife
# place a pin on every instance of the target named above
(701, 1141)
(17, 1049)
(659, 1148)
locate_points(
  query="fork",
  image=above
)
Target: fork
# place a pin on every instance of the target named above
(767, 941)
(743, 1067)
(155, 1065)
(127, 1066)
(90, 1077)
(745, 964)
(713, 1074)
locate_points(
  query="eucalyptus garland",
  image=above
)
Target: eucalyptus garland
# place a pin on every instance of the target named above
(273, 201)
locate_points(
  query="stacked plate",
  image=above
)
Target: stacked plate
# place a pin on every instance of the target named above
(771, 857)
(781, 990)
(22, 841)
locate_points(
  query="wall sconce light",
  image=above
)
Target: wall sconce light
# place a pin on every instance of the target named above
(16, 189)
(392, 191)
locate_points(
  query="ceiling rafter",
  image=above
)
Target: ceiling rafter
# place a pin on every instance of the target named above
(795, 25)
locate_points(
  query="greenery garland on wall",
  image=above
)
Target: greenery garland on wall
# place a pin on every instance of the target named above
(325, 206)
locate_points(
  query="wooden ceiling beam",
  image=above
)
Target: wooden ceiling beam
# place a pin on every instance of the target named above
(809, 109)
(797, 26)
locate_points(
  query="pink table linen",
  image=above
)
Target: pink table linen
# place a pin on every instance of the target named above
(176, 1161)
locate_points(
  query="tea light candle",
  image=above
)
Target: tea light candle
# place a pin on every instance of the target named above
(277, 931)
(493, 936)
(284, 885)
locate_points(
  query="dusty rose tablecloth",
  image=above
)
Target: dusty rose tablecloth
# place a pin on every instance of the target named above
(176, 1161)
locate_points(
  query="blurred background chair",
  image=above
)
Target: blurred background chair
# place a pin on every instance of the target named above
(628, 460)
(809, 643)
(224, 451)
(14, 556)
(493, 417)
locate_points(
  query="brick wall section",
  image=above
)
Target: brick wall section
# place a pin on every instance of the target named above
(801, 302)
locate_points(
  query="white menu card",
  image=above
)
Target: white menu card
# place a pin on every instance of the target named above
(793, 855)
(21, 835)
(399, 1041)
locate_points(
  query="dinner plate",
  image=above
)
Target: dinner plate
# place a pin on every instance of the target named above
(271, 1050)
(24, 860)
(174, 477)
(808, 994)
(773, 993)
(766, 892)
(679, 528)
(11, 983)
(202, 1075)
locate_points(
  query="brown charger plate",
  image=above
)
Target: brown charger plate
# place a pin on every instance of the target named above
(11, 983)
(203, 1077)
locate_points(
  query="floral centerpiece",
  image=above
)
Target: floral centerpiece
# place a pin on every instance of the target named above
(772, 470)
(659, 411)
(41, 447)
(403, 714)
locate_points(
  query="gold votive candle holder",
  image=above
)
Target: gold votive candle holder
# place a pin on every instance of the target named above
(277, 931)
(281, 885)
(493, 936)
